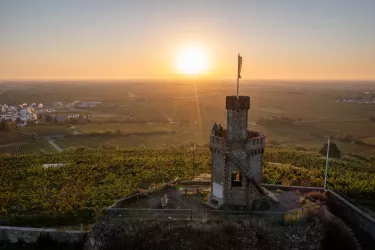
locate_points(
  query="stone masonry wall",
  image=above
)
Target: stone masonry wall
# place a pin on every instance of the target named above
(235, 195)
(360, 222)
(31, 235)
(218, 164)
(237, 125)
(256, 167)
(237, 117)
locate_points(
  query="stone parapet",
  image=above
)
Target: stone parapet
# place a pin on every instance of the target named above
(256, 144)
(243, 102)
(219, 144)
(253, 143)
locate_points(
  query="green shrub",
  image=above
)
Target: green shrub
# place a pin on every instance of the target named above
(85, 214)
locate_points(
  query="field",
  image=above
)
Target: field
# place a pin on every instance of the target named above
(189, 108)
(32, 148)
(45, 130)
(11, 137)
(153, 141)
(125, 128)
(369, 141)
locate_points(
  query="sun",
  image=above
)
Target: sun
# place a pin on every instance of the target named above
(192, 60)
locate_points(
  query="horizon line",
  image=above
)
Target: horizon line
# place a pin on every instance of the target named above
(184, 79)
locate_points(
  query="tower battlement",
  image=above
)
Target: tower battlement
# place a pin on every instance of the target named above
(242, 102)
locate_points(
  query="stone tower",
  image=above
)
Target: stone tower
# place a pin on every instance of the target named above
(236, 159)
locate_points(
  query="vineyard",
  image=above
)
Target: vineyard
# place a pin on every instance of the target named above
(78, 142)
(95, 178)
(33, 148)
(46, 130)
(90, 142)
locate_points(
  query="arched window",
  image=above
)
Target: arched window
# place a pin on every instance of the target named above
(236, 178)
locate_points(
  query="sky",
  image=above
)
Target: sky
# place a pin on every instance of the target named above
(108, 39)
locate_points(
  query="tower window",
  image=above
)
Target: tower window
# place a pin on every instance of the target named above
(236, 178)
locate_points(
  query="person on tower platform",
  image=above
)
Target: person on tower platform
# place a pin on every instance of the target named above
(215, 130)
(221, 130)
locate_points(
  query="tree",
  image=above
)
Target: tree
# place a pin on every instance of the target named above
(333, 150)
(2, 124)
(49, 119)
(371, 118)
(10, 126)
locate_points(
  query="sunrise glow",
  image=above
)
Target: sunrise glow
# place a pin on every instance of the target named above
(192, 61)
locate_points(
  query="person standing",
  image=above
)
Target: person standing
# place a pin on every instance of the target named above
(221, 130)
(215, 130)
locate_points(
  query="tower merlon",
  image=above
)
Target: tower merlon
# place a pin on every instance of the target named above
(243, 102)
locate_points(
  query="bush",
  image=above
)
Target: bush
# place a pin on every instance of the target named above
(273, 142)
(109, 146)
(44, 218)
(86, 214)
(300, 148)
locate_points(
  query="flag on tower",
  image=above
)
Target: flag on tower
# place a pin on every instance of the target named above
(239, 65)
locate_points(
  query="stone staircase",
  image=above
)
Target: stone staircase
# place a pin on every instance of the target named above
(247, 173)
(239, 164)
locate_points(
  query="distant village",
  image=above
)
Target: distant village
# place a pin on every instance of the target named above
(24, 114)
(362, 98)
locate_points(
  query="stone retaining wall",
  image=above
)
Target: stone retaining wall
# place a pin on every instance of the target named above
(361, 223)
(31, 235)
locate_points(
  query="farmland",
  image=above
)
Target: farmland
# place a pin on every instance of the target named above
(45, 130)
(11, 137)
(153, 141)
(188, 109)
(125, 128)
(33, 148)
(146, 138)
(92, 179)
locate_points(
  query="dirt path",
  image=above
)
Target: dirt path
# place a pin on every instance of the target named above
(76, 131)
(165, 115)
(54, 145)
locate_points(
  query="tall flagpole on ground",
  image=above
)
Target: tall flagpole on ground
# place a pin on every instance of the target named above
(325, 175)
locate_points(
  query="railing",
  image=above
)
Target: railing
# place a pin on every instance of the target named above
(143, 194)
(197, 214)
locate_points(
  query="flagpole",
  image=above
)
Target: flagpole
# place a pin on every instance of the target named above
(238, 77)
(325, 175)
(238, 84)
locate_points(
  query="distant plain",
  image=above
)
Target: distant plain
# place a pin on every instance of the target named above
(164, 113)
